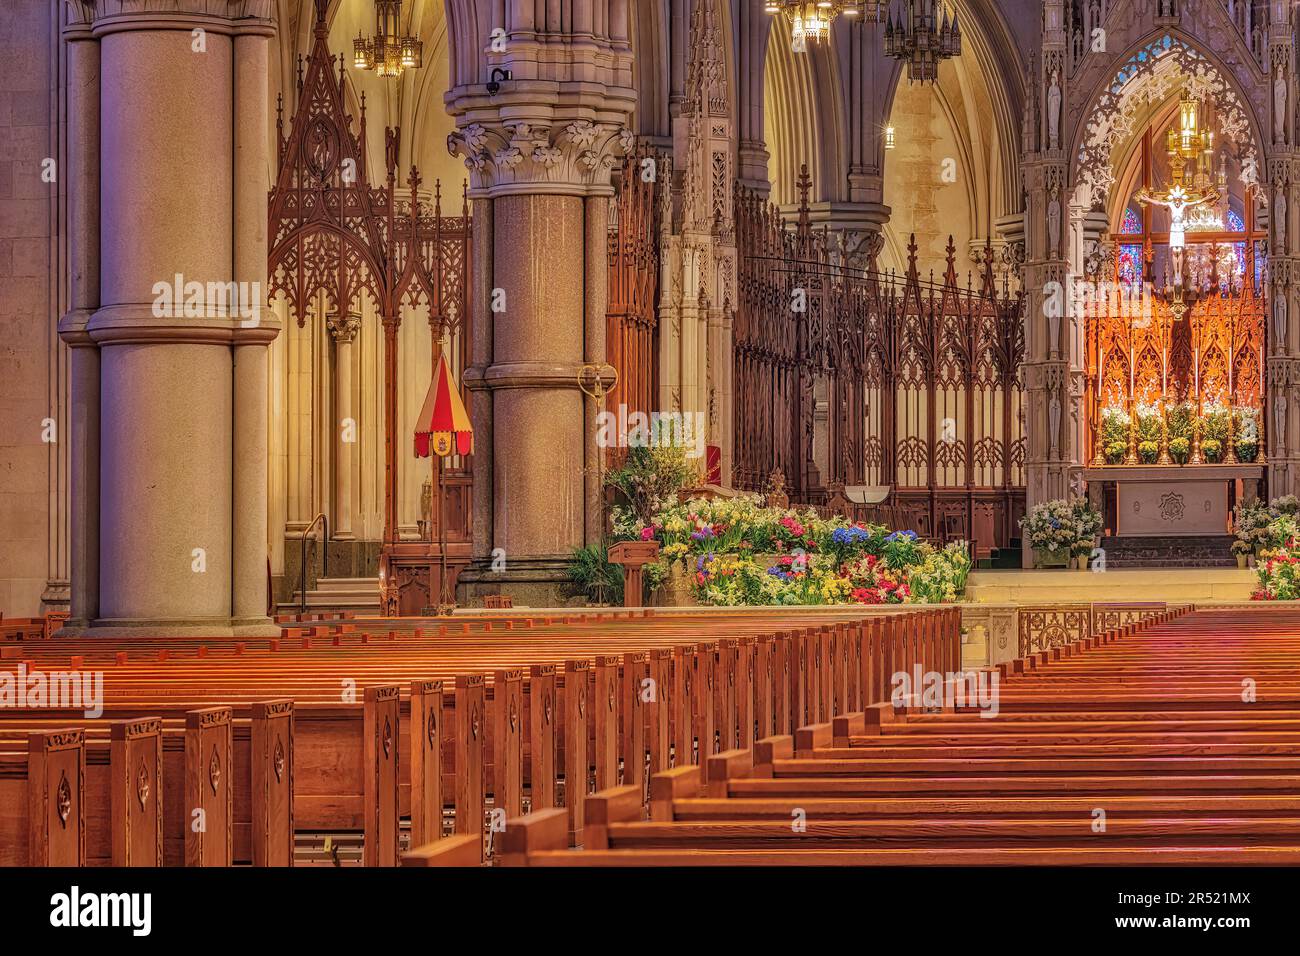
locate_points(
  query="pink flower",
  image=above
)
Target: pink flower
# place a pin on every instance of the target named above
(647, 533)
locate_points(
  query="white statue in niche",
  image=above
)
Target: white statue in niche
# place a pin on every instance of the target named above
(1279, 423)
(1279, 108)
(1279, 317)
(1054, 423)
(1054, 111)
(1053, 226)
(1279, 216)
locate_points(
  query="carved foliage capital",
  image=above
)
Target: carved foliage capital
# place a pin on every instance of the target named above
(344, 328)
(516, 155)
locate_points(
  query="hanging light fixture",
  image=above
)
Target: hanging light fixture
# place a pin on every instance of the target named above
(1193, 189)
(811, 19)
(389, 52)
(922, 36)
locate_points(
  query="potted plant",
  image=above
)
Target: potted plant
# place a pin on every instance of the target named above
(1212, 450)
(593, 576)
(1242, 551)
(1148, 452)
(1180, 449)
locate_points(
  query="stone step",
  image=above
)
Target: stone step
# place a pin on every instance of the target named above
(347, 584)
(1114, 585)
(343, 594)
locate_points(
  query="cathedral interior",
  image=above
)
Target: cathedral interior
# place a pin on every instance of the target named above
(649, 433)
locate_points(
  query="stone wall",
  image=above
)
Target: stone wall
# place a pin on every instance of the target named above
(30, 354)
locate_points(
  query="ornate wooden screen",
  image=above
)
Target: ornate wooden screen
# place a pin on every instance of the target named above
(950, 402)
(1139, 352)
(920, 380)
(631, 314)
(772, 379)
(334, 235)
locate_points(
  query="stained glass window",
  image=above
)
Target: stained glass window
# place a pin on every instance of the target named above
(1130, 264)
(1132, 222)
(1237, 224)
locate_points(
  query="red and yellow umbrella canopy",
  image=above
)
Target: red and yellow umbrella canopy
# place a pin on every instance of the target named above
(443, 425)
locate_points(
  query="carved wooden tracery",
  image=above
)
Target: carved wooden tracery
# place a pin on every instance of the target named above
(631, 313)
(336, 239)
(919, 379)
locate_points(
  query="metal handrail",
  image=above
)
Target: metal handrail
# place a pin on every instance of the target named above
(324, 558)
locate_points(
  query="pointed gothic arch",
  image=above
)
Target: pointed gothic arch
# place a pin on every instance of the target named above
(1148, 74)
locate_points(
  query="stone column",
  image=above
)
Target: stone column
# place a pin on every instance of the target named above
(480, 398)
(250, 416)
(596, 238)
(82, 178)
(755, 29)
(344, 329)
(1050, 392)
(539, 151)
(1282, 201)
(181, 335)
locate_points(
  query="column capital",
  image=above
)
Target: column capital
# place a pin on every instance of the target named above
(541, 153)
(344, 327)
(228, 17)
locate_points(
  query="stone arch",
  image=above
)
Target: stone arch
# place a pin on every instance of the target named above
(651, 37)
(1149, 74)
(801, 101)
(975, 110)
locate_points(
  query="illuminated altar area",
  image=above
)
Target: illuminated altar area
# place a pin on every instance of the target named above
(1175, 334)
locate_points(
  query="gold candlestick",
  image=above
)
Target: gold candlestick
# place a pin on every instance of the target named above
(1164, 458)
(1132, 457)
(1230, 453)
(1098, 456)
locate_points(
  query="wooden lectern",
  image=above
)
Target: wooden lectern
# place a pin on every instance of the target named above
(633, 556)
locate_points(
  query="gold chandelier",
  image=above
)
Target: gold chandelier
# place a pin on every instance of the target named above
(811, 19)
(1193, 181)
(389, 53)
(921, 36)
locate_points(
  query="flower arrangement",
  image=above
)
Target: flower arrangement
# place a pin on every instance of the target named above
(941, 577)
(1278, 570)
(1058, 530)
(1214, 431)
(738, 552)
(1246, 427)
(1285, 505)
(1250, 521)
(1050, 528)
(1152, 424)
(1114, 434)
(1279, 578)
(1087, 521)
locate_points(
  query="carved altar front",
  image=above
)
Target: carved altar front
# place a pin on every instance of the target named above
(1164, 501)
